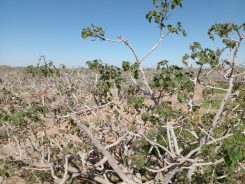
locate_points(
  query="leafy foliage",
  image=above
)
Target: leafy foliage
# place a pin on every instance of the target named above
(160, 13)
(48, 69)
(173, 80)
(108, 77)
(225, 31)
(233, 154)
(202, 56)
(94, 32)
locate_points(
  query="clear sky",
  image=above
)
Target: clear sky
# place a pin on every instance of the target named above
(30, 28)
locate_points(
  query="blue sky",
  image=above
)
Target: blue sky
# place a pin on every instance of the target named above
(30, 28)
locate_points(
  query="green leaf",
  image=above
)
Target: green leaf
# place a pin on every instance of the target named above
(93, 31)
(135, 71)
(161, 81)
(150, 14)
(180, 98)
(176, 3)
(233, 153)
(125, 65)
(229, 43)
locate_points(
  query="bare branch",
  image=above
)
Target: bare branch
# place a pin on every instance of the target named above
(111, 160)
(153, 143)
(240, 164)
(66, 171)
(221, 107)
(162, 169)
(176, 147)
(239, 74)
(219, 139)
(213, 87)
(154, 47)
(19, 148)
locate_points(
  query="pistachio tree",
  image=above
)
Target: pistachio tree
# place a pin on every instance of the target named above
(184, 139)
(107, 124)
